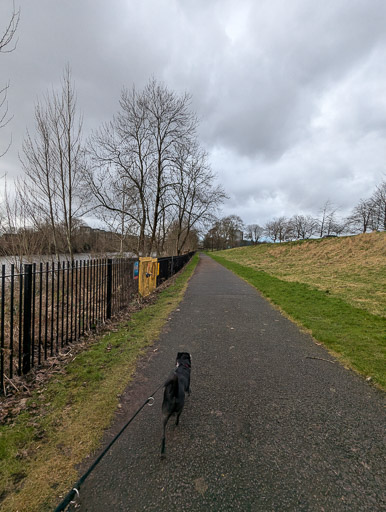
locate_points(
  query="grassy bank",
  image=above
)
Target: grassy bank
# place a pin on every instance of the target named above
(351, 268)
(354, 335)
(65, 421)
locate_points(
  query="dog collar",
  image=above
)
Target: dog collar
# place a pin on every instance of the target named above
(183, 364)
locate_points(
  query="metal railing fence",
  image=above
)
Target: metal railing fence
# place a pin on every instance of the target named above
(47, 306)
(170, 265)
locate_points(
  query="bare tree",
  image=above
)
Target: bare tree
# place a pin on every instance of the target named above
(7, 45)
(225, 233)
(172, 125)
(54, 162)
(20, 240)
(254, 232)
(149, 153)
(120, 154)
(361, 216)
(120, 226)
(378, 199)
(233, 228)
(279, 229)
(328, 223)
(271, 230)
(194, 198)
(303, 226)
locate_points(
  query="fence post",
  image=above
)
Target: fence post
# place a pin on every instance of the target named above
(2, 329)
(26, 360)
(109, 287)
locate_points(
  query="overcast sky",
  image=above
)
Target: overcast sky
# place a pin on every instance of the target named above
(291, 94)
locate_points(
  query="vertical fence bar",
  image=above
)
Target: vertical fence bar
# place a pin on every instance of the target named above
(109, 288)
(33, 313)
(117, 290)
(67, 301)
(80, 299)
(97, 284)
(112, 286)
(87, 286)
(76, 302)
(26, 359)
(72, 299)
(100, 288)
(97, 291)
(101, 294)
(63, 304)
(20, 318)
(46, 317)
(57, 305)
(103, 291)
(93, 293)
(11, 321)
(83, 293)
(116, 285)
(40, 310)
(2, 343)
(119, 285)
(89, 295)
(52, 307)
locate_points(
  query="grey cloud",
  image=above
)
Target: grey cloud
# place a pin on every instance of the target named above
(290, 94)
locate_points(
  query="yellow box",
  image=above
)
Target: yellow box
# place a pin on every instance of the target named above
(148, 271)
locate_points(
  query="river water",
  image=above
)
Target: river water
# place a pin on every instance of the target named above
(63, 258)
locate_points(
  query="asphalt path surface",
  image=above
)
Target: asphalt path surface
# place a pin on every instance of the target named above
(271, 424)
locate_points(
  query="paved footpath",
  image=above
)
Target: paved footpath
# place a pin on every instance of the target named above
(267, 428)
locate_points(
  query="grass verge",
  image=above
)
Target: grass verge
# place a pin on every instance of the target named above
(351, 268)
(65, 421)
(355, 336)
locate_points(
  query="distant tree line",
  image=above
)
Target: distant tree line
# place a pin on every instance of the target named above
(225, 233)
(368, 215)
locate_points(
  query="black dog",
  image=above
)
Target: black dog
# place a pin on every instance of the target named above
(175, 387)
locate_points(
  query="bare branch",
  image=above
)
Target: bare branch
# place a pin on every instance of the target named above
(8, 35)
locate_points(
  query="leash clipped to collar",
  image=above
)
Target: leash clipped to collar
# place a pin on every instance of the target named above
(77, 492)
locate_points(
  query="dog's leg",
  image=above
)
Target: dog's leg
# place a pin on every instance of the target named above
(178, 417)
(164, 423)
